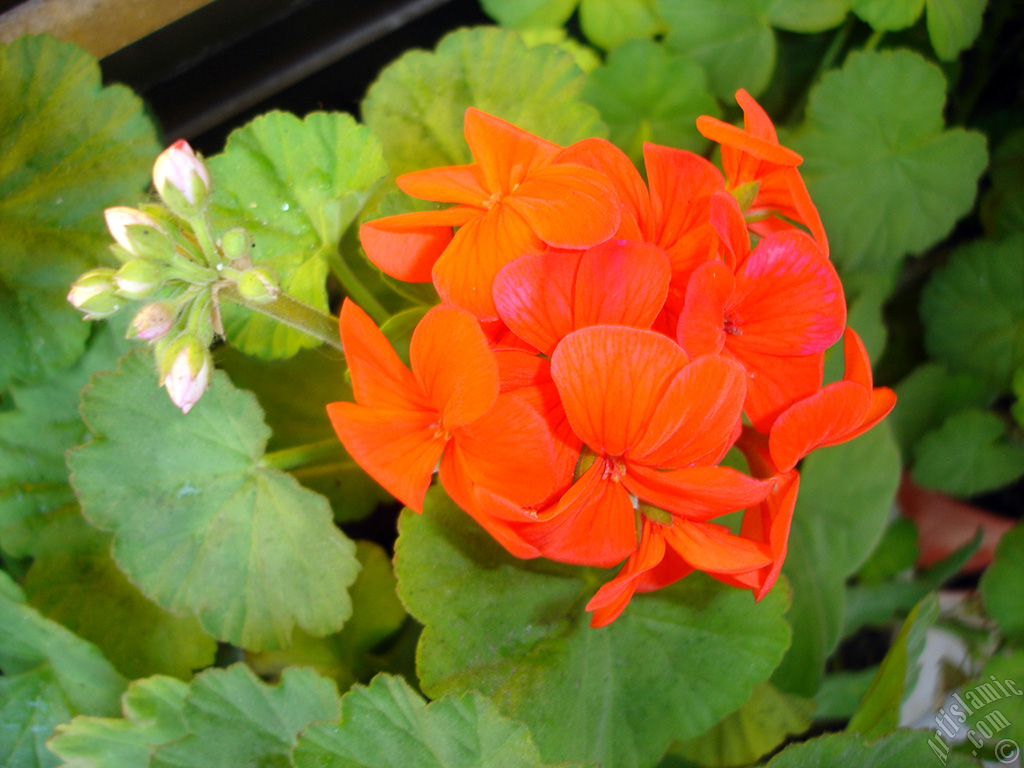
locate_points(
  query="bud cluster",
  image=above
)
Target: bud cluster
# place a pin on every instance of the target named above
(169, 261)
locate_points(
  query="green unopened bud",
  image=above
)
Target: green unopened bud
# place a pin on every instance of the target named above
(235, 243)
(94, 293)
(181, 179)
(258, 285)
(745, 194)
(138, 278)
(655, 514)
(153, 321)
(185, 370)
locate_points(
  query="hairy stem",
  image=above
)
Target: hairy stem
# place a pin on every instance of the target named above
(292, 312)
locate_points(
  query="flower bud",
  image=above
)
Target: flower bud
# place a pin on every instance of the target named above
(745, 194)
(235, 243)
(133, 230)
(138, 278)
(258, 285)
(181, 179)
(153, 321)
(94, 293)
(185, 371)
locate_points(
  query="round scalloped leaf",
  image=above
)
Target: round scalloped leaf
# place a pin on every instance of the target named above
(517, 632)
(152, 717)
(954, 25)
(68, 148)
(388, 724)
(529, 14)
(1003, 583)
(1002, 207)
(886, 177)
(296, 186)
(808, 15)
(645, 94)
(89, 595)
(888, 15)
(417, 104)
(610, 23)
(731, 39)
(234, 718)
(901, 749)
(49, 675)
(973, 310)
(199, 524)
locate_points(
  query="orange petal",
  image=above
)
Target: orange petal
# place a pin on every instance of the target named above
(701, 329)
(449, 184)
(454, 365)
(769, 522)
(506, 154)
(379, 378)
(534, 297)
(712, 548)
(822, 419)
(607, 159)
(681, 185)
(760, 148)
(398, 449)
(568, 206)
(406, 246)
(775, 383)
(857, 364)
(696, 493)
(789, 300)
(611, 380)
(728, 221)
(621, 283)
(593, 523)
(464, 274)
(612, 598)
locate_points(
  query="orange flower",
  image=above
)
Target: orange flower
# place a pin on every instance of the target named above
(776, 314)
(445, 411)
(518, 196)
(763, 173)
(655, 424)
(839, 412)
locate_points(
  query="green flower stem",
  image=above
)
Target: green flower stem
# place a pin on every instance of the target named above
(304, 455)
(292, 313)
(202, 232)
(874, 40)
(358, 292)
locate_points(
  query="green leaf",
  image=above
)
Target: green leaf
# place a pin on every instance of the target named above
(39, 430)
(887, 179)
(68, 149)
(296, 421)
(896, 553)
(752, 731)
(888, 15)
(152, 716)
(866, 293)
(200, 526)
(1003, 583)
(91, 597)
(49, 676)
(417, 105)
(968, 455)
(731, 39)
(610, 23)
(528, 14)
(997, 702)
(516, 631)
(347, 657)
(389, 724)
(1002, 207)
(841, 513)
(645, 94)
(234, 718)
(902, 749)
(953, 25)
(841, 693)
(296, 185)
(808, 15)
(973, 310)
(879, 712)
(926, 397)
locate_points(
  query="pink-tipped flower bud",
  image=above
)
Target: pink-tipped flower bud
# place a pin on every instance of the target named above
(143, 228)
(185, 371)
(153, 321)
(138, 278)
(181, 179)
(94, 293)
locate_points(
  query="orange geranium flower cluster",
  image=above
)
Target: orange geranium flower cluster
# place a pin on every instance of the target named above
(599, 343)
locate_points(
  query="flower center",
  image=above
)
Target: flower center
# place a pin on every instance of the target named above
(732, 327)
